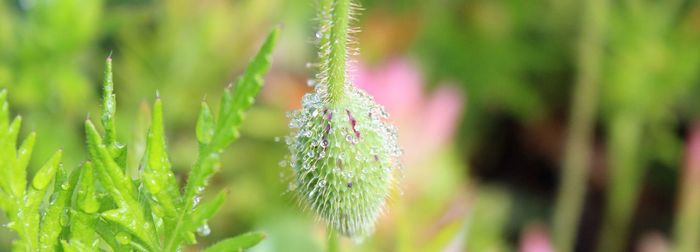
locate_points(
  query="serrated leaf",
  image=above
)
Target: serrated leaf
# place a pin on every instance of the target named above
(158, 176)
(108, 233)
(76, 246)
(83, 217)
(109, 104)
(82, 229)
(86, 193)
(46, 173)
(129, 213)
(204, 212)
(51, 225)
(18, 184)
(245, 90)
(205, 124)
(238, 243)
(110, 175)
(41, 181)
(8, 139)
(143, 232)
(231, 114)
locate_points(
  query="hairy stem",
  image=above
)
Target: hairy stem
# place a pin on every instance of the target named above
(337, 45)
(578, 142)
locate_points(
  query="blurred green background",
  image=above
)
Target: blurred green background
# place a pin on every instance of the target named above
(523, 122)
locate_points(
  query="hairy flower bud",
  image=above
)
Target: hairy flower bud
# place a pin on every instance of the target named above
(343, 152)
(343, 156)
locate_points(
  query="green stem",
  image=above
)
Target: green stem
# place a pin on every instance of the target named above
(686, 228)
(578, 142)
(337, 44)
(625, 174)
(190, 191)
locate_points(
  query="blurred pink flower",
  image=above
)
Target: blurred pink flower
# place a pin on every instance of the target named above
(535, 239)
(692, 162)
(653, 241)
(425, 122)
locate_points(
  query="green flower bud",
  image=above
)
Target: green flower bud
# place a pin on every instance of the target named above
(343, 156)
(343, 151)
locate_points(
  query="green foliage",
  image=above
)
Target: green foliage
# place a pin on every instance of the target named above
(238, 243)
(100, 204)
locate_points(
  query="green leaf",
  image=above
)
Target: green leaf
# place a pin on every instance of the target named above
(18, 184)
(41, 181)
(129, 213)
(83, 217)
(9, 157)
(205, 124)
(233, 106)
(86, 193)
(82, 229)
(108, 232)
(56, 213)
(46, 173)
(75, 246)
(109, 104)
(204, 212)
(110, 175)
(157, 175)
(238, 243)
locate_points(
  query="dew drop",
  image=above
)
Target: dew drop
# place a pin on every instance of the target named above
(204, 230)
(195, 202)
(311, 82)
(277, 139)
(283, 163)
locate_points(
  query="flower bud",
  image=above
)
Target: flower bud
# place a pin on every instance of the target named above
(343, 155)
